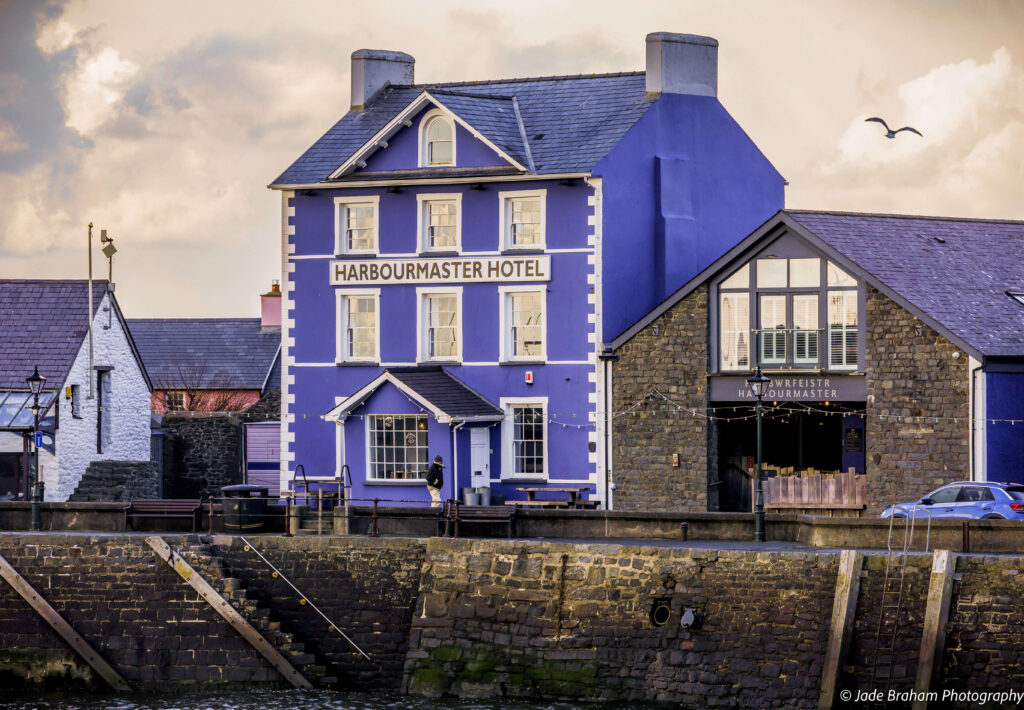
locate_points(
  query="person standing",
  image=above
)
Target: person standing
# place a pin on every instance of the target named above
(435, 480)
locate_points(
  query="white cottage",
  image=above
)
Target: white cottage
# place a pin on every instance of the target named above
(95, 403)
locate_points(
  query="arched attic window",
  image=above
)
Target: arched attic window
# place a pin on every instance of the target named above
(437, 140)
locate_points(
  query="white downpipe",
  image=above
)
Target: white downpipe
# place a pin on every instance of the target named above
(455, 460)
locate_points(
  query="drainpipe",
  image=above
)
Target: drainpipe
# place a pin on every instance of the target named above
(607, 357)
(974, 408)
(455, 461)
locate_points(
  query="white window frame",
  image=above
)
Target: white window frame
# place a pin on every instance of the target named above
(778, 334)
(815, 333)
(342, 295)
(853, 293)
(168, 402)
(424, 148)
(505, 214)
(507, 431)
(505, 323)
(422, 347)
(366, 437)
(422, 223)
(340, 224)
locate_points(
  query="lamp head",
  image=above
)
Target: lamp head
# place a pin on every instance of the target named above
(758, 383)
(35, 381)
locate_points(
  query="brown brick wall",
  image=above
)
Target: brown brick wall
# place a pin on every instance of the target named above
(670, 356)
(918, 408)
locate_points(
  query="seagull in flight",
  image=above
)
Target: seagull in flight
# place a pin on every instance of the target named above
(889, 132)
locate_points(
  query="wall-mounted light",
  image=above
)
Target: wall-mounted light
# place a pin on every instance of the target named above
(692, 620)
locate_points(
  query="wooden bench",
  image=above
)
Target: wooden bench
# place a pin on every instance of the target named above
(454, 513)
(163, 508)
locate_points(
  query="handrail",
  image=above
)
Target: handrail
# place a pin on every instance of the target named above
(305, 598)
(911, 514)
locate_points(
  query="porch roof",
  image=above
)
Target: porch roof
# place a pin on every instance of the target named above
(445, 396)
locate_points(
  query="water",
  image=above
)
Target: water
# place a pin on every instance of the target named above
(258, 699)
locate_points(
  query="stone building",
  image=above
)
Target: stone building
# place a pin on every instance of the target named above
(477, 237)
(95, 400)
(895, 346)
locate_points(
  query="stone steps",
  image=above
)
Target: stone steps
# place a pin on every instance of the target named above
(106, 481)
(207, 562)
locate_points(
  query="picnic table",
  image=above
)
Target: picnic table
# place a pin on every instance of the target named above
(575, 495)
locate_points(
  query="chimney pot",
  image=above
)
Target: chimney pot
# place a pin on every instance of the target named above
(373, 69)
(681, 64)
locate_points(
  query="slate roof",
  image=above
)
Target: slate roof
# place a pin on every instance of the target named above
(434, 385)
(570, 122)
(44, 323)
(445, 391)
(221, 353)
(954, 271)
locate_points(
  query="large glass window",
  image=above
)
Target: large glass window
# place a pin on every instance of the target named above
(397, 446)
(356, 230)
(527, 440)
(442, 326)
(842, 329)
(524, 325)
(522, 215)
(734, 342)
(357, 328)
(439, 222)
(805, 329)
(773, 329)
(440, 141)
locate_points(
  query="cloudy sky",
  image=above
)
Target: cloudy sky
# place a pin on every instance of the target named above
(164, 121)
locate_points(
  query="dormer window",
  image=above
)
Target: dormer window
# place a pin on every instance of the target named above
(438, 140)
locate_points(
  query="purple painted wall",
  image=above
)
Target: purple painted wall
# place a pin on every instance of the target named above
(683, 186)
(1005, 441)
(402, 152)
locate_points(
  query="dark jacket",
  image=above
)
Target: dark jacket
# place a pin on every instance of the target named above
(435, 475)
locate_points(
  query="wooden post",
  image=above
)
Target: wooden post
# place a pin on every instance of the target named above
(844, 608)
(933, 637)
(51, 617)
(223, 607)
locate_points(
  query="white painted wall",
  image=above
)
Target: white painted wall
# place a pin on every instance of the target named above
(76, 437)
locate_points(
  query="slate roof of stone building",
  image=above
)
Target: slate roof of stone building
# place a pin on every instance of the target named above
(44, 323)
(954, 271)
(570, 122)
(221, 353)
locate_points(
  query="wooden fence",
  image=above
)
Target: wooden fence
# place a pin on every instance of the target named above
(833, 493)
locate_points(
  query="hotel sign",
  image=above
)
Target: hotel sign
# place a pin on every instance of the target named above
(792, 388)
(373, 272)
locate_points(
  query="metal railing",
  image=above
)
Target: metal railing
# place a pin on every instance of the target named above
(305, 600)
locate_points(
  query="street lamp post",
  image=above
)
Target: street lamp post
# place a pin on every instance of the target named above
(35, 384)
(758, 385)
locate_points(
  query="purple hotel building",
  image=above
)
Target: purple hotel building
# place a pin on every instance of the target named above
(455, 256)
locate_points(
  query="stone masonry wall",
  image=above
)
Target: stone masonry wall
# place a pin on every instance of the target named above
(202, 453)
(918, 406)
(550, 620)
(106, 481)
(128, 604)
(671, 357)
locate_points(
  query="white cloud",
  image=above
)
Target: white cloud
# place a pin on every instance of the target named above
(56, 36)
(93, 90)
(9, 142)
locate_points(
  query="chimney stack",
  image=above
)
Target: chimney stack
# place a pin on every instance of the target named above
(270, 307)
(681, 64)
(373, 69)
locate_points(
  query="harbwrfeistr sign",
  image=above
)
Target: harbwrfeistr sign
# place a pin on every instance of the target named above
(792, 388)
(372, 272)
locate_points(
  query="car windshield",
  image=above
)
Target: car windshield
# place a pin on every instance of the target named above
(1015, 493)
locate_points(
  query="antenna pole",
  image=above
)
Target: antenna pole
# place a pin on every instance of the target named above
(89, 316)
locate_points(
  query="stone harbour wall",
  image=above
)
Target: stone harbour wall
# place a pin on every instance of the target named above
(503, 618)
(670, 356)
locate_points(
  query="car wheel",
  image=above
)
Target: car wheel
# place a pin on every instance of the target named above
(993, 517)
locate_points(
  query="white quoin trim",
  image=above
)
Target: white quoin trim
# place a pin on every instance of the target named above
(404, 118)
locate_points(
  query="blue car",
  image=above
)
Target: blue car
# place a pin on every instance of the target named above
(975, 500)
